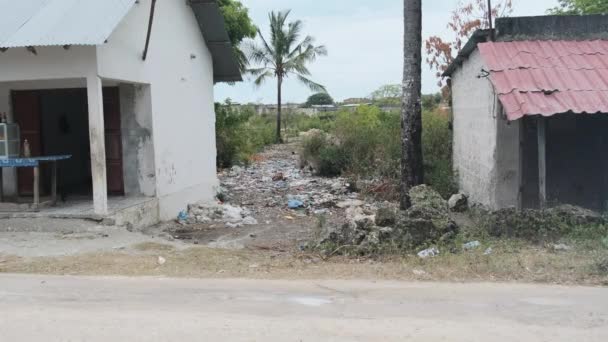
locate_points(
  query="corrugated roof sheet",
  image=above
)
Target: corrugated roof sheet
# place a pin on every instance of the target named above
(59, 22)
(548, 77)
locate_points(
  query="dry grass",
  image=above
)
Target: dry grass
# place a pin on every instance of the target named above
(508, 263)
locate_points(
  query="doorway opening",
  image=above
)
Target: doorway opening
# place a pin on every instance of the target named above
(55, 122)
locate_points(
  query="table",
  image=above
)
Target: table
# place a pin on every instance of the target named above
(34, 162)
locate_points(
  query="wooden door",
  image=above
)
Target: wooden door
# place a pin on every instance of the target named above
(26, 112)
(111, 105)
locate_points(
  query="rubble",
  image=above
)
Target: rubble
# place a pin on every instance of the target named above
(458, 203)
(426, 222)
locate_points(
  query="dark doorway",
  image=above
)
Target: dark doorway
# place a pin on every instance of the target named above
(56, 122)
(577, 169)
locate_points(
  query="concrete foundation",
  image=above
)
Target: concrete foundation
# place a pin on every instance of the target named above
(133, 213)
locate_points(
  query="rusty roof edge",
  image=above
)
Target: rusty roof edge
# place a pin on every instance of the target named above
(479, 36)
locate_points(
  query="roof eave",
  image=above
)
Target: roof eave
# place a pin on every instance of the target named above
(212, 25)
(479, 36)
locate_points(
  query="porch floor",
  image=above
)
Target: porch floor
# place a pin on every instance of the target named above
(82, 208)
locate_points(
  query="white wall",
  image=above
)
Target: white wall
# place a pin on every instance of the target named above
(475, 131)
(179, 70)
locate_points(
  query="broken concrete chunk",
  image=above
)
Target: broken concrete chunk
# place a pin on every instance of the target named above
(386, 217)
(458, 203)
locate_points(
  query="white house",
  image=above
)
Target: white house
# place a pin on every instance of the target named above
(138, 119)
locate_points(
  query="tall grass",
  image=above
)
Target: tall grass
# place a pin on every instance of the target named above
(366, 143)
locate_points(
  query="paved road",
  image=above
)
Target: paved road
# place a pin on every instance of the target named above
(45, 308)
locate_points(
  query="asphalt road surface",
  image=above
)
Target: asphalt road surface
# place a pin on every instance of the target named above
(48, 308)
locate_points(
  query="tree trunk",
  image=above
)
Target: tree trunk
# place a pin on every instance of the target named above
(412, 171)
(279, 89)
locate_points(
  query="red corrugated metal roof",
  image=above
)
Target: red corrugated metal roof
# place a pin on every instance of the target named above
(548, 77)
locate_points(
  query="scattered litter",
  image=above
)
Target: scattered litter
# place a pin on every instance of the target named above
(182, 216)
(488, 251)
(279, 177)
(249, 221)
(350, 203)
(161, 260)
(210, 212)
(428, 253)
(254, 266)
(295, 204)
(560, 247)
(471, 245)
(290, 217)
(419, 273)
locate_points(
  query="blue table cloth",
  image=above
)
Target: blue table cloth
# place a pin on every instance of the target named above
(31, 161)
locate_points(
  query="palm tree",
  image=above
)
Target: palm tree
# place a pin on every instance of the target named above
(412, 171)
(283, 56)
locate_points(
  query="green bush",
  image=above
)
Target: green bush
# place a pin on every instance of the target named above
(437, 151)
(239, 134)
(369, 141)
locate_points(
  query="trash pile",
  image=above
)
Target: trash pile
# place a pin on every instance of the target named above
(204, 212)
(276, 181)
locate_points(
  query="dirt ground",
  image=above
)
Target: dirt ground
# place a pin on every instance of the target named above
(265, 188)
(509, 263)
(272, 248)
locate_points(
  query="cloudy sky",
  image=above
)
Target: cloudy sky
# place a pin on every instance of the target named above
(364, 39)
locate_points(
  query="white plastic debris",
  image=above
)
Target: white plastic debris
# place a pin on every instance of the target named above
(161, 260)
(471, 245)
(428, 253)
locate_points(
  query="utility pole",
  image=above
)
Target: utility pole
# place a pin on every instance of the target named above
(491, 24)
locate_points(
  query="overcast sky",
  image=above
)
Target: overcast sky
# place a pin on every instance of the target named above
(364, 40)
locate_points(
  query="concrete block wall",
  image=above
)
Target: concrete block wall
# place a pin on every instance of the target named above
(475, 132)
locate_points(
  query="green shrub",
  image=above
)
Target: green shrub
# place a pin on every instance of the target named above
(370, 142)
(437, 151)
(239, 134)
(332, 161)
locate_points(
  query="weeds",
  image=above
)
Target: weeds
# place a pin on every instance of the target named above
(366, 143)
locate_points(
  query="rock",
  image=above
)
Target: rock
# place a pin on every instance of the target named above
(161, 261)
(428, 253)
(386, 217)
(425, 196)
(359, 219)
(560, 247)
(458, 203)
(471, 245)
(350, 203)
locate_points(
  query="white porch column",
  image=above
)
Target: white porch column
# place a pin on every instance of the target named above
(98, 145)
